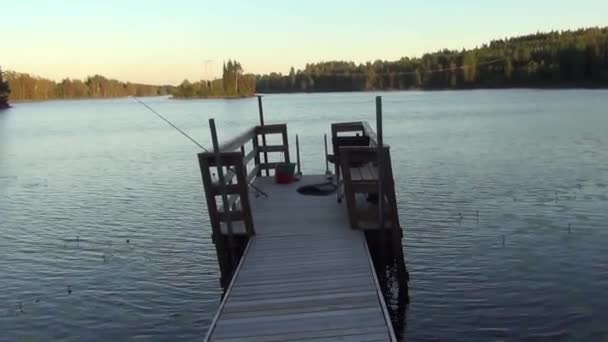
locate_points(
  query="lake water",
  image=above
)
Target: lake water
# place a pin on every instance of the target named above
(104, 233)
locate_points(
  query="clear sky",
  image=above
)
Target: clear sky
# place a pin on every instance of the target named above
(160, 41)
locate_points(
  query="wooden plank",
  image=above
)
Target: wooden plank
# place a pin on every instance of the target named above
(251, 155)
(238, 141)
(228, 158)
(227, 294)
(235, 215)
(230, 189)
(348, 126)
(273, 148)
(286, 144)
(299, 323)
(271, 129)
(306, 275)
(272, 320)
(243, 195)
(253, 173)
(368, 172)
(269, 166)
(256, 158)
(323, 334)
(369, 131)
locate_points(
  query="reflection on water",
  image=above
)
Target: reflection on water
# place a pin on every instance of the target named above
(502, 194)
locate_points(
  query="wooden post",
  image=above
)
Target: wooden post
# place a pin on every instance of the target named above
(285, 143)
(243, 153)
(261, 110)
(226, 206)
(380, 149)
(327, 173)
(298, 156)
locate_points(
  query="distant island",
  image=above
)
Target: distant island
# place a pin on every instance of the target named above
(233, 84)
(553, 59)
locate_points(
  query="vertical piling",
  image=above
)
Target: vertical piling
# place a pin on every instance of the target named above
(261, 110)
(380, 149)
(299, 173)
(327, 173)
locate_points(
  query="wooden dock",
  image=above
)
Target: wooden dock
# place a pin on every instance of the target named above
(298, 267)
(305, 275)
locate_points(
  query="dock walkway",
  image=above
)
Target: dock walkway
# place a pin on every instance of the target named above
(305, 275)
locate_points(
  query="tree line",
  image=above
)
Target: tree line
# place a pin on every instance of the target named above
(552, 59)
(566, 58)
(27, 87)
(232, 84)
(5, 90)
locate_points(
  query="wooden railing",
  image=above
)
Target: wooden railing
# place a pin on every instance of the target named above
(373, 175)
(242, 160)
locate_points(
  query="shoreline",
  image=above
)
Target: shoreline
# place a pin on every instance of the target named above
(82, 99)
(212, 97)
(170, 97)
(547, 87)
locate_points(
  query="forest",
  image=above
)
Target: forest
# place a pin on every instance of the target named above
(4, 91)
(232, 84)
(576, 58)
(555, 59)
(27, 87)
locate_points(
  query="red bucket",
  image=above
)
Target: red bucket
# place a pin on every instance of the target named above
(284, 173)
(283, 178)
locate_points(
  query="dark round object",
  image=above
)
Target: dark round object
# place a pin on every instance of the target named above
(322, 189)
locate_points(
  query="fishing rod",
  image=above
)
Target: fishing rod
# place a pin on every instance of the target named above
(170, 123)
(258, 190)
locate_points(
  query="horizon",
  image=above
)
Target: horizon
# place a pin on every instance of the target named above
(121, 40)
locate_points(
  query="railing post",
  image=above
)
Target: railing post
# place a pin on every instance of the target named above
(285, 143)
(261, 110)
(222, 183)
(327, 173)
(380, 151)
(299, 173)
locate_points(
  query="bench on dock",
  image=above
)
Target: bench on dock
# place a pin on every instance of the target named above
(356, 160)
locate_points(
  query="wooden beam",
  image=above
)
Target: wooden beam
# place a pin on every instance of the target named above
(273, 148)
(253, 173)
(369, 131)
(233, 215)
(269, 166)
(271, 129)
(228, 158)
(238, 141)
(251, 155)
(347, 126)
(230, 189)
(285, 144)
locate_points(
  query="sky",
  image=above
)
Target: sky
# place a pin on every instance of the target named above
(165, 42)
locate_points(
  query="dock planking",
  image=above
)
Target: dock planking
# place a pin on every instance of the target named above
(305, 275)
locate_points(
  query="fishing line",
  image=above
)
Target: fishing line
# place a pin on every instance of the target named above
(258, 190)
(170, 123)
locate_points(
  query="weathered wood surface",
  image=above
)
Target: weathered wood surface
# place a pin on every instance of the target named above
(305, 276)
